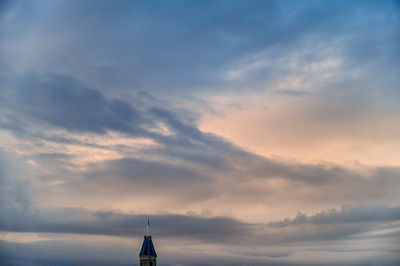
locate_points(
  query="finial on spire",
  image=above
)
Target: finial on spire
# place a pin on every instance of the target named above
(148, 226)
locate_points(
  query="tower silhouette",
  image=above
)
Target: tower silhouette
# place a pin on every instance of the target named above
(148, 254)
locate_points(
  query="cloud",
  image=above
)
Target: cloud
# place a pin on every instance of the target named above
(64, 113)
(62, 102)
(65, 103)
(102, 253)
(14, 186)
(348, 214)
(66, 253)
(94, 100)
(324, 226)
(147, 46)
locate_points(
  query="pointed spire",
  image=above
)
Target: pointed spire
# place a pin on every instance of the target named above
(148, 252)
(148, 227)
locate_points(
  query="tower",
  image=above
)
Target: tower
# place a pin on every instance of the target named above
(147, 254)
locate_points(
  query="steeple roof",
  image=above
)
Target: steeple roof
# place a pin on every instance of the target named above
(148, 248)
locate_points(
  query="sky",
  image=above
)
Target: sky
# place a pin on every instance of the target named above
(250, 132)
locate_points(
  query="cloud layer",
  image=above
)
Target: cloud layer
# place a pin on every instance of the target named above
(219, 119)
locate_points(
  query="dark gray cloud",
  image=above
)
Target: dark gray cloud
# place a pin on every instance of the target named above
(324, 226)
(63, 102)
(345, 215)
(59, 101)
(35, 106)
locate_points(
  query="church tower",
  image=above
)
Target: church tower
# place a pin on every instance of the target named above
(147, 254)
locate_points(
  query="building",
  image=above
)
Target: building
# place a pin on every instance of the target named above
(147, 254)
